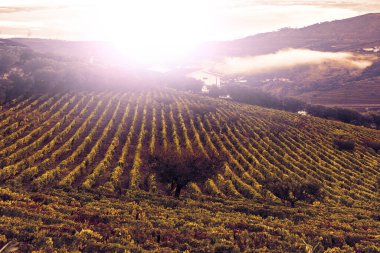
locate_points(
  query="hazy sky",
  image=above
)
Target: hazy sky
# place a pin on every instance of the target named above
(167, 20)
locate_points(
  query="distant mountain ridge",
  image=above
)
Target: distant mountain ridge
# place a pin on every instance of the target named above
(340, 35)
(349, 34)
(6, 42)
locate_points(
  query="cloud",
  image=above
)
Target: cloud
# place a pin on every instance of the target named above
(289, 58)
(13, 9)
(366, 5)
(240, 18)
(220, 19)
(16, 9)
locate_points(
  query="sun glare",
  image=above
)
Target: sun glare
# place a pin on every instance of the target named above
(152, 31)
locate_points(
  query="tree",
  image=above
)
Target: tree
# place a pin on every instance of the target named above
(182, 82)
(374, 144)
(293, 191)
(179, 168)
(344, 144)
(293, 105)
(7, 61)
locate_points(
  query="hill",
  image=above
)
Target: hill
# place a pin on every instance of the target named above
(74, 168)
(351, 34)
(89, 51)
(328, 83)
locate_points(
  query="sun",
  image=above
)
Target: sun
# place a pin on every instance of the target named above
(152, 31)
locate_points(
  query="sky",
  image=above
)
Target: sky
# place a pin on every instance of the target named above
(153, 30)
(174, 20)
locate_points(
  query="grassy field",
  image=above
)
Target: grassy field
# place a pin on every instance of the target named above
(74, 176)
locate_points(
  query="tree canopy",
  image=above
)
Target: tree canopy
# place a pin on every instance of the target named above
(293, 191)
(180, 167)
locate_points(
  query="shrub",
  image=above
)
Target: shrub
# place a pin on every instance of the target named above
(225, 247)
(180, 82)
(367, 247)
(375, 145)
(292, 191)
(344, 144)
(202, 110)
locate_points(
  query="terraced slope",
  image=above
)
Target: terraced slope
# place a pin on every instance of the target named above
(100, 141)
(145, 222)
(74, 177)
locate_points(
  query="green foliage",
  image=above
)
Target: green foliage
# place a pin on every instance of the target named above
(202, 110)
(256, 96)
(344, 144)
(86, 154)
(292, 191)
(181, 168)
(141, 222)
(183, 83)
(102, 140)
(343, 141)
(374, 144)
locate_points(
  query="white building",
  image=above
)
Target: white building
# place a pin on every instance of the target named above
(208, 78)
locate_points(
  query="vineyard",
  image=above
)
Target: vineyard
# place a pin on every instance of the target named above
(71, 161)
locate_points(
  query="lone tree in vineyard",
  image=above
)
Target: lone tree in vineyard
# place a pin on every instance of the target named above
(181, 168)
(293, 191)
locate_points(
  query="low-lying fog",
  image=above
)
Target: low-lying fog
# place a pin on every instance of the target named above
(288, 58)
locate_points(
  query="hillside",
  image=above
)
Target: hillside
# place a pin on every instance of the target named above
(352, 34)
(94, 51)
(328, 83)
(85, 155)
